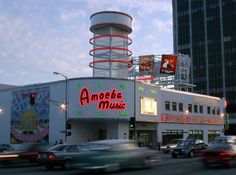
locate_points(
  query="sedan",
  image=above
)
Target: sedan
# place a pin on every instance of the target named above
(60, 155)
(27, 152)
(219, 154)
(189, 148)
(115, 154)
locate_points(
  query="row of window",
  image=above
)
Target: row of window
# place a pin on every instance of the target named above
(174, 106)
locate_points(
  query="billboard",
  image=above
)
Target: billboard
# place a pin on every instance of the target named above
(168, 64)
(146, 66)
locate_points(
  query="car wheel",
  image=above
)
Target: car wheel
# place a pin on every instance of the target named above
(50, 167)
(174, 155)
(191, 154)
(67, 164)
(112, 167)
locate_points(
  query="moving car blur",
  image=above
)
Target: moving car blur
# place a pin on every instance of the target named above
(221, 152)
(60, 155)
(26, 152)
(171, 145)
(6, 147)
(189, 148)
(116, 154)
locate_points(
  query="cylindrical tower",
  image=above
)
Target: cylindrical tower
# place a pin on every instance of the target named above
(110, 44)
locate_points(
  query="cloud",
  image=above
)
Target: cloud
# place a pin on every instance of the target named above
(72, 14)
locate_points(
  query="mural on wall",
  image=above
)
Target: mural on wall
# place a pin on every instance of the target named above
(30, 115)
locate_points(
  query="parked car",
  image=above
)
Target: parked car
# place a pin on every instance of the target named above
(60, 155)
(189, 148)
(115, 154)
(219, 154)
(25, 152)
(171, 145)
(6, 147)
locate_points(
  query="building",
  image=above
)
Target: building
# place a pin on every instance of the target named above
(108, 105)
(205, 30)
(101, 108)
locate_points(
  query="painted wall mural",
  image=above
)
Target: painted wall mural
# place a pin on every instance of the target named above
(30, 115)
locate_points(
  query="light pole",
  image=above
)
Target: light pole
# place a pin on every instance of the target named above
(66, 102)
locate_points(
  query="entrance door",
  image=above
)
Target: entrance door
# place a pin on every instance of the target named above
(102, 134)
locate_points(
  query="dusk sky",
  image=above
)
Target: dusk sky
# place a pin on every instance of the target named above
(38, 37)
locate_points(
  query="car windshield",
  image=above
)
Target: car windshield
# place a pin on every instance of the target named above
(189, 142)
(57, 148)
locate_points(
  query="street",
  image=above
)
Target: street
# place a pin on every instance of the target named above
(167, 166)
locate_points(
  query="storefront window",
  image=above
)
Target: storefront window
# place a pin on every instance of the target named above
(181, 107)
(190, 108)
(195, 134)
(167, 105)
(208, 110)
(201, 109)
(174, 106)
(195, 109)
(212, 134)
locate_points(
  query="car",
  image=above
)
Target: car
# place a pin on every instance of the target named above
(26, 152)
(115, 154)
(219, 154)
(60, 155)
(6, 147)
(168, 148)
(189, 148)
(225, 139)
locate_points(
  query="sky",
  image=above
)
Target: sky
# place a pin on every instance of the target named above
(39, 37)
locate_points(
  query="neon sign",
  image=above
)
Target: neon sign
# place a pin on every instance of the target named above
(108, 100)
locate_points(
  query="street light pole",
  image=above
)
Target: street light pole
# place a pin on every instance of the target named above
(66, 102)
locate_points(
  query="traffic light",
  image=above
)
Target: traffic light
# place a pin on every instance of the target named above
(68, 124)
(132, 122)
(32, 98)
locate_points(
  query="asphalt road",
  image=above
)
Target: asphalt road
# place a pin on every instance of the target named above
(167, 166)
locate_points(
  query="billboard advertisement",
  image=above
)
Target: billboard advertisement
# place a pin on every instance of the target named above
(168, 64)
(146, 66)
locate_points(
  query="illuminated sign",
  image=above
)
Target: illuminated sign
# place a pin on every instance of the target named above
(148, 106)
(108, 100)
(185, 119)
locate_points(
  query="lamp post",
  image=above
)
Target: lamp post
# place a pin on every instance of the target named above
(66, 102)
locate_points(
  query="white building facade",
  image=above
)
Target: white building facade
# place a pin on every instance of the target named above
(101, 108)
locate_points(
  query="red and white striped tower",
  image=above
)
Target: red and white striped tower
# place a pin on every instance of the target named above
(110, 44)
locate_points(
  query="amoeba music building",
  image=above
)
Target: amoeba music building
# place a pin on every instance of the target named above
(100, 108)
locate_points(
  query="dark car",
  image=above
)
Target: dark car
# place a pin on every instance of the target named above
(219, 154)
(6, 147)
(27, 152)
(115, 154)
(189, 148)
(171, 145)
(60, 155)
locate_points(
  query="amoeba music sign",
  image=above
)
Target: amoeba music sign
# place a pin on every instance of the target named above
(103, 99)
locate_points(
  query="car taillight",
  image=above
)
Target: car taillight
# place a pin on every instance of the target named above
(223, 154)
(52, 156)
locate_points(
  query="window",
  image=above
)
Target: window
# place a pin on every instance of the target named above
(181, 107)
(201, 109)
(213, 110)
(190, 108)
(167, 105)
(208, 110)
(174, 106)
(218, 111)
(195, 107)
